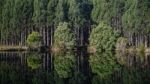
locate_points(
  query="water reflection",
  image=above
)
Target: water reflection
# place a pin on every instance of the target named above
(78, 78)
(74, 68)
(34, 60)
(135, 76)
(133, 59)
(8, 74)
(64, 64)
(130, 68)
(103, 64)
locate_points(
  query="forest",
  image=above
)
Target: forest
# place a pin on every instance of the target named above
(74, 23)
(74, 41)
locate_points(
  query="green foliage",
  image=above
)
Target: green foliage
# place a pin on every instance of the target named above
(103, 64)
(33, 39)
(64, 38)
(106, 10)
(15, 13)
(7, 15)
(103, 38)
(64, 64)
(51, 9)
(61, 11)
(136, 17)
(76, 12)
(39, 14)
(101, 10)
(33, 60)
(1, 8)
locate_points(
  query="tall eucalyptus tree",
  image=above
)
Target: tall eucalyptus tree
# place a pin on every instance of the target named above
(39, 17)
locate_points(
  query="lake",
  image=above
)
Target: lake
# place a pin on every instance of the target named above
(74, 68)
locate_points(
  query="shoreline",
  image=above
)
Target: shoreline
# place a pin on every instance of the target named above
(146, 50)
(13, 48)
(25, 48)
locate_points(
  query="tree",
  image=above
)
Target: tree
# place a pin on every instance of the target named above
(39, 15)
(7, 14)
(103, 38)
(61, 11)
(64, 38)
(22, 14)
(15, 16)
(51, 9)
(33, 39)
(76, 17)
(101, 11)
(1, 21)
(135, 21)
(108, 11)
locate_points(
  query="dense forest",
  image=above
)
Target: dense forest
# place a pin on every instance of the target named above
(19, 18)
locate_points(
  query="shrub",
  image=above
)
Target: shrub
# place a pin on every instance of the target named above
(33, 39)
(103, 37)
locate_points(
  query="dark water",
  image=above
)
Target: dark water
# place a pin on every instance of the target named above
(74, 68)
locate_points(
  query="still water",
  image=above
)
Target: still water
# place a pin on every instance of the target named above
(74, 68)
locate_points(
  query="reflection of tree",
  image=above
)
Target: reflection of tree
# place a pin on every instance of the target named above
(132, 75)
(10, 74)
(43, 77)
(37, 79)
(131, 59)
(78, 78)
(57, 79)
(34, 61)
(63, 64)
(136, 76)
(121, 57)
(98, 80)
(103, 64)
